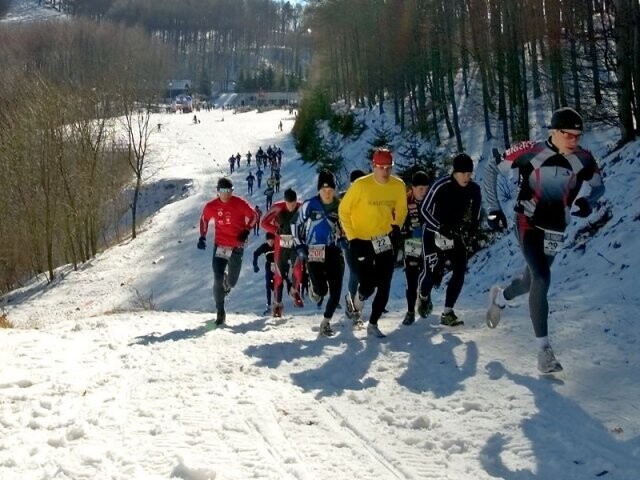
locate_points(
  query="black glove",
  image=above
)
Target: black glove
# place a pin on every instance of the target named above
(202, 243)
(302, 251)
(496, 220)
(243, 235)
(584, 210)
(449, 231)
(256, 268)
(396, 238)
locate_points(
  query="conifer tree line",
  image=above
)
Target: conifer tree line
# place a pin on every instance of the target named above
(499, 54)
(260, 42)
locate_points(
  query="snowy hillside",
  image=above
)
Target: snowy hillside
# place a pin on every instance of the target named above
(112, 373)
(31, 11)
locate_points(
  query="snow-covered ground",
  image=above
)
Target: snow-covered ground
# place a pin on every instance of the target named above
(94, 387)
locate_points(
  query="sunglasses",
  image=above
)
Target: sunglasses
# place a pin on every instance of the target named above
(569, 135)
(225, 190)
(384, 167)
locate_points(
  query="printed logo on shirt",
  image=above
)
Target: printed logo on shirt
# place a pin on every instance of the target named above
(382, 203)
(519, 147)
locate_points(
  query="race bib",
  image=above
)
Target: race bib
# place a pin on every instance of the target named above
(443, 243)
(316, 253)
(413, 247)
(224, 252)
(381, 243)
(553, 242)
(286, 241)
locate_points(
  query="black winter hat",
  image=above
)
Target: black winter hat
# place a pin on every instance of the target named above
(224, 182)
(462, 163)
(290, 195)
(326, 179)
(356, 174)
(566, 118)
(419, 178)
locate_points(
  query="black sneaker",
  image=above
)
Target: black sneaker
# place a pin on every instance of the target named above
(450, 319)
(221, 317)
(349, 310)
(315, 298)
(424, 306)
(409, 318)
(374, 331)
(325, 328)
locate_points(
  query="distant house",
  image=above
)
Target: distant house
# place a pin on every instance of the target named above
(178, 87)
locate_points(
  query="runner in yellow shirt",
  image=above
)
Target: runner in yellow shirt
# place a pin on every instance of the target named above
(371, 212)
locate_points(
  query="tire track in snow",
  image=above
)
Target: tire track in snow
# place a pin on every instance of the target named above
(260, 416)
(293, 413)
(367, 444)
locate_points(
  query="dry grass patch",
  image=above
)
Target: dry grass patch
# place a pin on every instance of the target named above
(4, 321)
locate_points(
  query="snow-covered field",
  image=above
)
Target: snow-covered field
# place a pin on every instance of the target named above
(94, 387)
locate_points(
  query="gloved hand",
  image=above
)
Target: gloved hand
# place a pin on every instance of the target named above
(395, 233)
(496, 220)
(584, 210)
(302, 251)
(202, 243)
(343, 243)
(449, 231)
(396, 238)
(256, 268)
(243, 235)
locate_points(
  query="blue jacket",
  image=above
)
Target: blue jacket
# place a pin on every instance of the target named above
(317, 223)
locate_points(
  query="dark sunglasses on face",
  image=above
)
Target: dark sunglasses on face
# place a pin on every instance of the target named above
(570, 136)
(225, 190)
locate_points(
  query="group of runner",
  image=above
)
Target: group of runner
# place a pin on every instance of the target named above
(431, 222)
(367, 226)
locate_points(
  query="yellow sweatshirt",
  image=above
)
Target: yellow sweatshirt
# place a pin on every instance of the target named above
(368, 208)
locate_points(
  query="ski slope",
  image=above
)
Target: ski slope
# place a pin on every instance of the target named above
(112, 371)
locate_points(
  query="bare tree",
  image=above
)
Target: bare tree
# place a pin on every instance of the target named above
(136, 124)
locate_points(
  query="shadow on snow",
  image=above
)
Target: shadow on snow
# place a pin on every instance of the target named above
(431, 365)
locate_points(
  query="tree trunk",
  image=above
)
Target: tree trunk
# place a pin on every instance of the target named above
(593, 54)
(624, 34)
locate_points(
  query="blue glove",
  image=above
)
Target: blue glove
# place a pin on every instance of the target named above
(584, 210)
(343, 243)
(302, 251)
(202, 243)
(256, 268)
